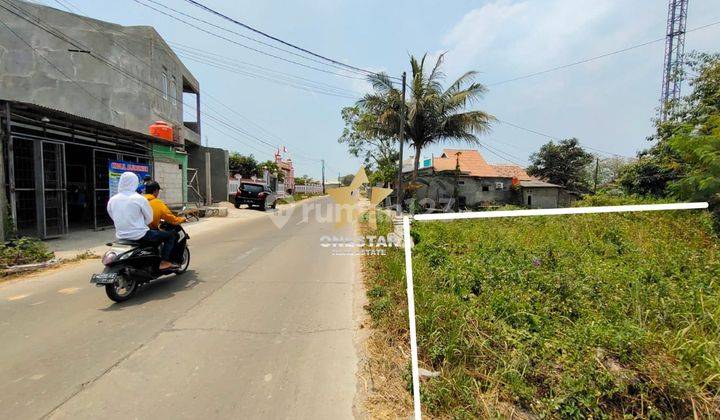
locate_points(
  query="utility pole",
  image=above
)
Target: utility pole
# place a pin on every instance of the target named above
(323, 174)
(597, 171)
(402, 141)
(674, 54)
(456, 191)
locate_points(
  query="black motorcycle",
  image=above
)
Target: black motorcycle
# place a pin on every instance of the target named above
(128, 264)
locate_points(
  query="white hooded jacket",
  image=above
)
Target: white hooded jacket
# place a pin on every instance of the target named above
(130, 211)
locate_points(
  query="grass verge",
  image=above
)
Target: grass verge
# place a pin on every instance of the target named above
(295, 198)
(604, 316)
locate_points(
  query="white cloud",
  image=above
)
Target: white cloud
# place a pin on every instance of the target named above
(528, 34)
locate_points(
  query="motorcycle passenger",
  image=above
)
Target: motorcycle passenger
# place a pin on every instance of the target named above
(131, 214)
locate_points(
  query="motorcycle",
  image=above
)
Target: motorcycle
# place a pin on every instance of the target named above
(128, 264)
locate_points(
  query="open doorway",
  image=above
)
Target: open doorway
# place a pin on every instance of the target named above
(79, 186)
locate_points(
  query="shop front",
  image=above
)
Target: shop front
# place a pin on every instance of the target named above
(57, 168)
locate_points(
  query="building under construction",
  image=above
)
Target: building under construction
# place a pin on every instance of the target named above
(78, 93)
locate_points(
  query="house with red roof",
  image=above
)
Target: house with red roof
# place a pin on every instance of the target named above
(464, 175)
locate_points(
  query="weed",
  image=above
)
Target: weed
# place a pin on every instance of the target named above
(601, 316)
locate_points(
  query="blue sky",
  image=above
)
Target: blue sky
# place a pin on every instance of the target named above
(608, 104)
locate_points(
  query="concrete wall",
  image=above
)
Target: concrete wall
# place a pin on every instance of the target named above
(440, 188)
(219, 172)
(220, 168)
(170, 177)
(121, 100)
(542, 198)
(170, 170)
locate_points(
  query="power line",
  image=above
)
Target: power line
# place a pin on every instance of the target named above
(50, 62)
(227, 60)
(529, 130)
(223, 16)
(158, 92)
(503, 155)
(221, 66)
(74, 9)
(267, 44)
(587, 60)
(245, 46)
(261, 128)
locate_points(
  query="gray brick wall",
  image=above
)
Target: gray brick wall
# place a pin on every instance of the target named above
(169, 176)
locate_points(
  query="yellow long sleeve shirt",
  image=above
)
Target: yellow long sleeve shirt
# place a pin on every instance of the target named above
(161, 212)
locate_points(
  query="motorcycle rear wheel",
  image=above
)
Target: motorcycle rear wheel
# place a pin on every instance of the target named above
(123, 290)
(185, 262)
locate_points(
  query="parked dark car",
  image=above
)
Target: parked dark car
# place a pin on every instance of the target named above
(255, 194)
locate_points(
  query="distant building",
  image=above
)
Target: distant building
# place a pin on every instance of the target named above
(480, 184)
(288, 171)
(78, 93)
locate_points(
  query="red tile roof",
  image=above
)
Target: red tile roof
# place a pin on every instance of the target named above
(512, 171)
(471, 163)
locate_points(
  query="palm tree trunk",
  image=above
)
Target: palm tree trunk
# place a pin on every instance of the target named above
(416, 164)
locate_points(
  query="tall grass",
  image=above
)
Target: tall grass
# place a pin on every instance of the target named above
(564, 317)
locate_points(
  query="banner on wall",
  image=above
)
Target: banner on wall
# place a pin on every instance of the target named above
(117, 167)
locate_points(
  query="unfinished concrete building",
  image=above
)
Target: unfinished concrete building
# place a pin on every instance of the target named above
(77, 93)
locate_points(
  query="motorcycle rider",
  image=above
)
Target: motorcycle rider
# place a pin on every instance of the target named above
(131, 213)
(159, 208)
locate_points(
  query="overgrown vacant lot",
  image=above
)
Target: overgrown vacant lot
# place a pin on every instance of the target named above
(563, 317)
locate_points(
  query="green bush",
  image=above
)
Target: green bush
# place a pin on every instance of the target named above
(600, 316)
(23, 251)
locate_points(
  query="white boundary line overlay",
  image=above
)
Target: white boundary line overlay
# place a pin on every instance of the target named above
(407, 240)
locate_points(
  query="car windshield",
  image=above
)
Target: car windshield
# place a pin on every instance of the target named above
(251, 187)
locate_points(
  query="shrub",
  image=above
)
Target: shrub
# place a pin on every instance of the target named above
(23, 251)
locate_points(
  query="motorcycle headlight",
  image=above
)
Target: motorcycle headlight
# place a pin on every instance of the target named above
(109, 257)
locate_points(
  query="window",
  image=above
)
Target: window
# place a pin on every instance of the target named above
(486, 188)
(499, 186)
(164, 82)
(461, 182)
(173, 91)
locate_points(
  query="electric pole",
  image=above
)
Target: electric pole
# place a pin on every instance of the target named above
(674, 54)
(402, 141)
(323, 175)
(597, 172)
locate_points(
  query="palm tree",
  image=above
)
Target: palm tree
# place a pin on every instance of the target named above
(433, 114)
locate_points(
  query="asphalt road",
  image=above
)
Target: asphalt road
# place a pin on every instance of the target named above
(263, 325)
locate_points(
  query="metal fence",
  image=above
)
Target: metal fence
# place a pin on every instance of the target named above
(309, 189)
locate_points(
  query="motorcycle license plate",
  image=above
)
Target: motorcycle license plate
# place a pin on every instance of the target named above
(104, 278)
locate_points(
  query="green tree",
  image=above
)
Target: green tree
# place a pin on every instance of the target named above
(246, 166)
(646, 176)
(699, 148)
(366, 140)
(273, 168)
(564, 163)
(434, 114)
(663, 165)
(304, 180)
(346, 180)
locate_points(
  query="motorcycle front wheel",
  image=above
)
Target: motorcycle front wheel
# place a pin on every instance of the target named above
(121, 290)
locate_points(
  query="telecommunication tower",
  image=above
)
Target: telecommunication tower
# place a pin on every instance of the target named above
(674, 52)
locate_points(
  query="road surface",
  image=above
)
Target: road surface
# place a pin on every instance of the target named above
(263, 325)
